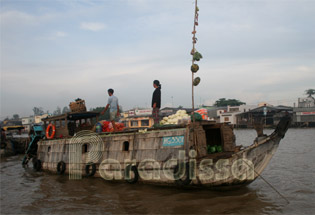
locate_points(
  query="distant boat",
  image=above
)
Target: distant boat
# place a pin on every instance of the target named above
(12, 140)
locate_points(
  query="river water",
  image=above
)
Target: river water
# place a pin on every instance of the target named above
(291, 171)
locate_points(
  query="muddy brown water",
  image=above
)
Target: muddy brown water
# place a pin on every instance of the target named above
(291, 171)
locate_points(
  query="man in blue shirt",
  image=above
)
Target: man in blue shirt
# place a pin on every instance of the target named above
(113, 106)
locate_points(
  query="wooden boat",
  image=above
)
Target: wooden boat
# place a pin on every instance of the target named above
(175, 156)
(13, 141)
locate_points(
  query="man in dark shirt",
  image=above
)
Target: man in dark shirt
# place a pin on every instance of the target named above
(156, 101)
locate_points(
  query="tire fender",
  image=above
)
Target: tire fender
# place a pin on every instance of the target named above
(61, 167)
(134, 169)
(184, 180)
(87, 169)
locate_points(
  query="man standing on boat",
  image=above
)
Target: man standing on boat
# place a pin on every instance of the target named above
(156, 101)
(113, 106)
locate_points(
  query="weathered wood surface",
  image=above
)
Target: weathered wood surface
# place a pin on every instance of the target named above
(228, 138)
(148, 145)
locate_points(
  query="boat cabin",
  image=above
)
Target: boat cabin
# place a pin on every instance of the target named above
(66, 125)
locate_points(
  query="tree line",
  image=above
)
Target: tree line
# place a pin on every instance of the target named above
(38, 111)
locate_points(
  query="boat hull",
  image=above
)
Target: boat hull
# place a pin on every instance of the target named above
(163, 157)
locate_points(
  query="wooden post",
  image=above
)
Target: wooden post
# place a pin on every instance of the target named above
(66, 124)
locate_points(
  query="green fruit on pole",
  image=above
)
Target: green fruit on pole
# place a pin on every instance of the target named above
(196, 81)
(194, 68)
(197, 56)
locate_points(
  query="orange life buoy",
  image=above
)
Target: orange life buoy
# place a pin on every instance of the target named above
(52, 133)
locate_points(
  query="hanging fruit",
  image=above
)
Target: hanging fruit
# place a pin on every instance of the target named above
(197, 56)
(194, 68)
(196, 81)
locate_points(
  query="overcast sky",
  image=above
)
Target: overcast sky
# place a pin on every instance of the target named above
(53, 52)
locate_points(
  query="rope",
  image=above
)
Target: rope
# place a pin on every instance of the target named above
(269, 184)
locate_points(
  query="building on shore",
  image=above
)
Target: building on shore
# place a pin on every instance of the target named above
(214, 112)
(38, 119)
(307, 102)
(138, 118)
(267, 115)
(10, 122)
(27, 122)
(304, 113)
(230, 115)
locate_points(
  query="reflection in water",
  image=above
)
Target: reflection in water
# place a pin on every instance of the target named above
(28, 192)
(58, 195)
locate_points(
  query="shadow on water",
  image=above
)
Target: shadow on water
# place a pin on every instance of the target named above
(94, 195)
(28, 192)
(59, 195)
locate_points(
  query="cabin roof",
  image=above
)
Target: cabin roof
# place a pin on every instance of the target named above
(73, 116)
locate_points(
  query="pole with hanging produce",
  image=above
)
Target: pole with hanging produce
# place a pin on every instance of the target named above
(196, 56)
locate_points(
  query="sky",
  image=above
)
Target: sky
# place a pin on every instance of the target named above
(54, 51)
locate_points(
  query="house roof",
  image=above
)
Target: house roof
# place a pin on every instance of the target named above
(269, 108)
(176, 109)
(11, 122)
(274, 109)
(14, 127)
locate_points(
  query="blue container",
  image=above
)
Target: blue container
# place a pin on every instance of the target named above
(98, 127)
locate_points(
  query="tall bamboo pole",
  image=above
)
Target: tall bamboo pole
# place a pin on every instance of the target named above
(192, 74)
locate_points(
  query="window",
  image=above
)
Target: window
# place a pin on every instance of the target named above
(126, 146)
(145, 122)
(234, 109)
(57, 123)
(125, 123)
(226, 119)
(134, 123)
(84, 148)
